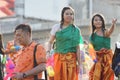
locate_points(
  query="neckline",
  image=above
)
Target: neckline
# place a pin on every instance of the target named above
(98, 35)
(101, 36)
(28, 45)
(66, 27)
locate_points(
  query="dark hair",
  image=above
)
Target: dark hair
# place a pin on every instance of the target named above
(62, 14)
(1, 64)
(1, 45)
(103, 24)
(24, 27)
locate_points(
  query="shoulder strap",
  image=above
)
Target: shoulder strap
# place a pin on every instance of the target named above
(35, 64)
(35, 48)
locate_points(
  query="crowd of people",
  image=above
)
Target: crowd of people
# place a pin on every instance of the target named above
(71, 56)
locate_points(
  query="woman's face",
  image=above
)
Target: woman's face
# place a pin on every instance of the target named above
(68, 16)
(97, 22)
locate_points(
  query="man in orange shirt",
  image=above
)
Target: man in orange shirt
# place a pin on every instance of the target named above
(25, 61)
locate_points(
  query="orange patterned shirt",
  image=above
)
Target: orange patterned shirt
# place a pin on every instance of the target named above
(25, 60)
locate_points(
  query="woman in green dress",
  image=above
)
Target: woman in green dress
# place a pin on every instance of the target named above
(67, 50)
(100, 39)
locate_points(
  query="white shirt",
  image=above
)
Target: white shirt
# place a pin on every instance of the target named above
(54, 29)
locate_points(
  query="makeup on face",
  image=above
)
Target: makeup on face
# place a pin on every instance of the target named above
(68, 16)
(97, 22)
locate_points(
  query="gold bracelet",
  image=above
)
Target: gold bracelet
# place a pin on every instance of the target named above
(24, 75)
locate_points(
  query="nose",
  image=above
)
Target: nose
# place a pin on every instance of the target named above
(98, 21)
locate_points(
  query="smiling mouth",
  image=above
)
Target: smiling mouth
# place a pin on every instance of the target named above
(98, 24)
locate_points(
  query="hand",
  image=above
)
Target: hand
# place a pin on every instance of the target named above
(114, 21)
(102, 49)
(118, 64)
(12, 51)
(95, 60)
(48, 55)
(18, 76)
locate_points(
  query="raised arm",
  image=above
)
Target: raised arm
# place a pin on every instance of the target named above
(111, 29)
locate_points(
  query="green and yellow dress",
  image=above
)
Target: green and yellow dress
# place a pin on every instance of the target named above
(101, 70)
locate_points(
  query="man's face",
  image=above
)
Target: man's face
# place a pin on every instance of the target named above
(21, 37)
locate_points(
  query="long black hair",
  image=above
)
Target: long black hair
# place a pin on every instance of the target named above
(103, 24)
(62, 15)
(1, 53)
(1, 45)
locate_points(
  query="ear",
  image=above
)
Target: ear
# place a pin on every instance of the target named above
(29, 34)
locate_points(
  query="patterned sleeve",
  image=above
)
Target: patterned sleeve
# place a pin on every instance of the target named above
(41, 54)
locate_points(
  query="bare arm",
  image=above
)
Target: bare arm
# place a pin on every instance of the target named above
(110, 31)
(78, 55)
(78, 59)
(50, 42)
(41, 67)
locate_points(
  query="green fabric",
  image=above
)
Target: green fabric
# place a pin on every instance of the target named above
(100, 42)
(67, 39)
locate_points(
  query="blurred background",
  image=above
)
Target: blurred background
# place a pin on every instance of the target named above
(43, 14)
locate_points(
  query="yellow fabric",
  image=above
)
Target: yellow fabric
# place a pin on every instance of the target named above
(65, 66)
(102, 69)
